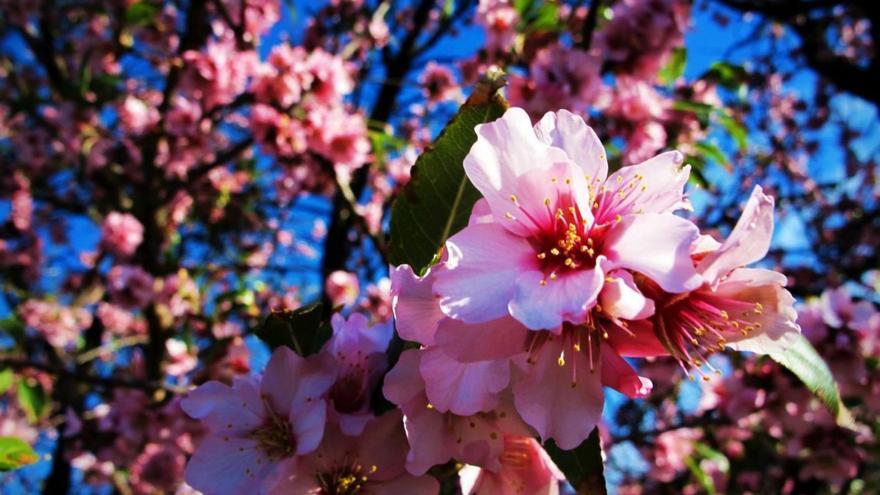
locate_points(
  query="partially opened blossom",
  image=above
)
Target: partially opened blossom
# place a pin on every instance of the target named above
(256, 427)
(560, 224)
(359, 351)
(746, 309)
(525, 468)
(372, 462)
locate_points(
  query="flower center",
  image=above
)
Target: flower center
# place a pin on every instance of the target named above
(569, 245)
(275, 437)
(344, 480)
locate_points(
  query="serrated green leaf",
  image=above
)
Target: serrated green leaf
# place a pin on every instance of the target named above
(302, 329)
(15, 453)
(438, 199)
(5, 380)
(674, 68)
(32, 399)
(582, 465)
(803, 360)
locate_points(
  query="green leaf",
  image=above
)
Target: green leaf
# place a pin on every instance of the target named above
(733, 127)
(5, 380)
(674, 68)
(302, 329)
(712, 152)
(701, 475)
(437, 201)
(803, 360)
(32, 398)
(582, 465)
(728, 75)
(141, 13)
(546, 18)
(701, 110)
(15, 453)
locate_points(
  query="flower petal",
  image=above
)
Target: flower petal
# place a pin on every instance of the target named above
(748, 241)
(416, 311)
(308, 419)
(561, 402)
(496, 339)
(622, 299)
(619, 375)
(290, 378)
(541, 303)
(228, 465)
(653, 186)
(656, 245)
(506, 149)
(570, 133)
(484, 262)
(462, 388)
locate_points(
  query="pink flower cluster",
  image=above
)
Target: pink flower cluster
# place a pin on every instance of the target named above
(562, 272)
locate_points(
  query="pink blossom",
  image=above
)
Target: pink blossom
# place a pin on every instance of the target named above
(671, 449)
(558, 226)
(279, 133)
(258, 427)
(438, 83)
(330, 77)
(372, 462)
(158, 469)
(359, 351)
(746, 309)
(560, 78)
(341, 137)
(137, 115)
(180, 360)
(525, 468)
(281, 81)
(115, 319)
(59, 325)
(121, 233)
(342, 288)
(500, 20)
(130, 286)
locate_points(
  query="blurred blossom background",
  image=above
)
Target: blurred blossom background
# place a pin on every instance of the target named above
(173, 171)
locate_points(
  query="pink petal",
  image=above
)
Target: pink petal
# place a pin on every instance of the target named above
(638, 340)
(570, 133)
(657, 246)
(462, 388)
(778, 329)
(484, 262)
(383, 444)
(426, 430)
(416, 310)
(403, 383)
(307, 419)
(228, 465)
(221, 406)
(506, 149)
(290, 378)
(748, 241)
(619, 375)
(547, 400)
(622, 299)
(481, 213)
(653, 186)
(546, 305)
(496, 339)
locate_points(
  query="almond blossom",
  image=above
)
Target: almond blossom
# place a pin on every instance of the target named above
(256, 427)
(559, 224)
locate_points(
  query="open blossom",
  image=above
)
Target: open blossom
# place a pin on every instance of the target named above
(258, 427)
(121, 233)
(499, 18)
(438, 83)
(561, 77)
(130, 286)
(559, 224)
(525, 468)
(372, 462)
